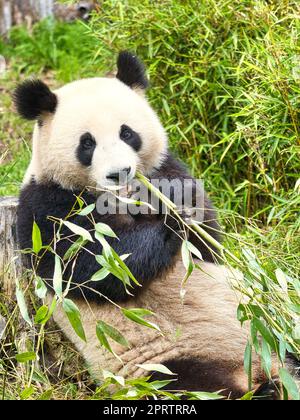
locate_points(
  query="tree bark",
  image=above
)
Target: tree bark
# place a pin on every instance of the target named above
(17, 12)
(10, 257)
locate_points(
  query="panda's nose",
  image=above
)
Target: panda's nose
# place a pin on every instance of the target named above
(120, 176)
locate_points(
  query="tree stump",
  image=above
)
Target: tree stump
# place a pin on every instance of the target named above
(10, 258)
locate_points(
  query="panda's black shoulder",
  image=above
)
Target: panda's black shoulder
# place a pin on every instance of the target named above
(41, 198)
(38, 201)
(172, 167)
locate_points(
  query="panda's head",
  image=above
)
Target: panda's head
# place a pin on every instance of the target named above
(91, 130)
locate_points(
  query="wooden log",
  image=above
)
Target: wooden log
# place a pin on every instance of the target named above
(10, 257)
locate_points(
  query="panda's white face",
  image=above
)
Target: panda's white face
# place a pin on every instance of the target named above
(100, 127)
(92, 130)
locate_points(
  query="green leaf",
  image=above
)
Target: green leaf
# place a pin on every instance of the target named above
(266, 357)
(87, 210)
(37, 243)
(248, 363)
(75, 248)
(296, 332)
(108, 375)
(106, 230)
(27, 393)
(57, 277)
(113, 333)
(266, 334)
(40, 377)
(186, 257)
(242, 315)
(289, 383)
(41, 314)
(136, 315)
(156, 368)
(80, 202)
(124, 267)
(248, 396)
(156, 385)
(204, 396)
(141, 312)
(26, 357)
(74, 317)
(40, 288)
(282, 280)
(50, 310)
(105, 245)
(194, 250)
(103, 340)
(282, 349)
(22, 304)
(46, 396)
(100, 275)
(85, 234)
(254, 337)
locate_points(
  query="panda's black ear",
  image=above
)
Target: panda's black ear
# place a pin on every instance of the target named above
(131, 71)
(33, 98)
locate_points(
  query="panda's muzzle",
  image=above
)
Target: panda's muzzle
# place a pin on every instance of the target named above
(121, 177)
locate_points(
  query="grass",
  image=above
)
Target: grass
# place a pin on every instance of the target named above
(225, 82)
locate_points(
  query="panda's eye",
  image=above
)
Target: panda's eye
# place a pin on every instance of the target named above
(126, 133)
(85, 149)
(130, 137)
(87, 141)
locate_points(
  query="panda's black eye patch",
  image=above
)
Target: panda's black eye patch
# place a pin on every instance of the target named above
(130, 137)
(85, 149)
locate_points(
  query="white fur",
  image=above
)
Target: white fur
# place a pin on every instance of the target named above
(99, 106)
(203, 326)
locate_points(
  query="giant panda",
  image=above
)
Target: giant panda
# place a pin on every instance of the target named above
(86, 133)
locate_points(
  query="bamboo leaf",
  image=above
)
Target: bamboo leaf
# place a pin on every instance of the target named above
(37, 243)
(87, 210)
(156, 368)
(248, 364)
(113, 333)
(74, 317)
(136, 315)
(40, 288)
(75, 248)
(289, 383)
(57, 277)
(41, 314)
(108, 375)
(194, 250)
(100, 275)
(106, 230)
(85, 234)
(22, 304)
(25, 357)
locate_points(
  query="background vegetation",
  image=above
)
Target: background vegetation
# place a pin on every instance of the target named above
(225, 82)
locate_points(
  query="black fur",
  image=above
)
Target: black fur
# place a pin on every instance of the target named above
(151, 243)
(85, 149)
(132, 138)
(270, 390)
(174, 169)
(33, 98)
(196, 375)
(131, 70)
